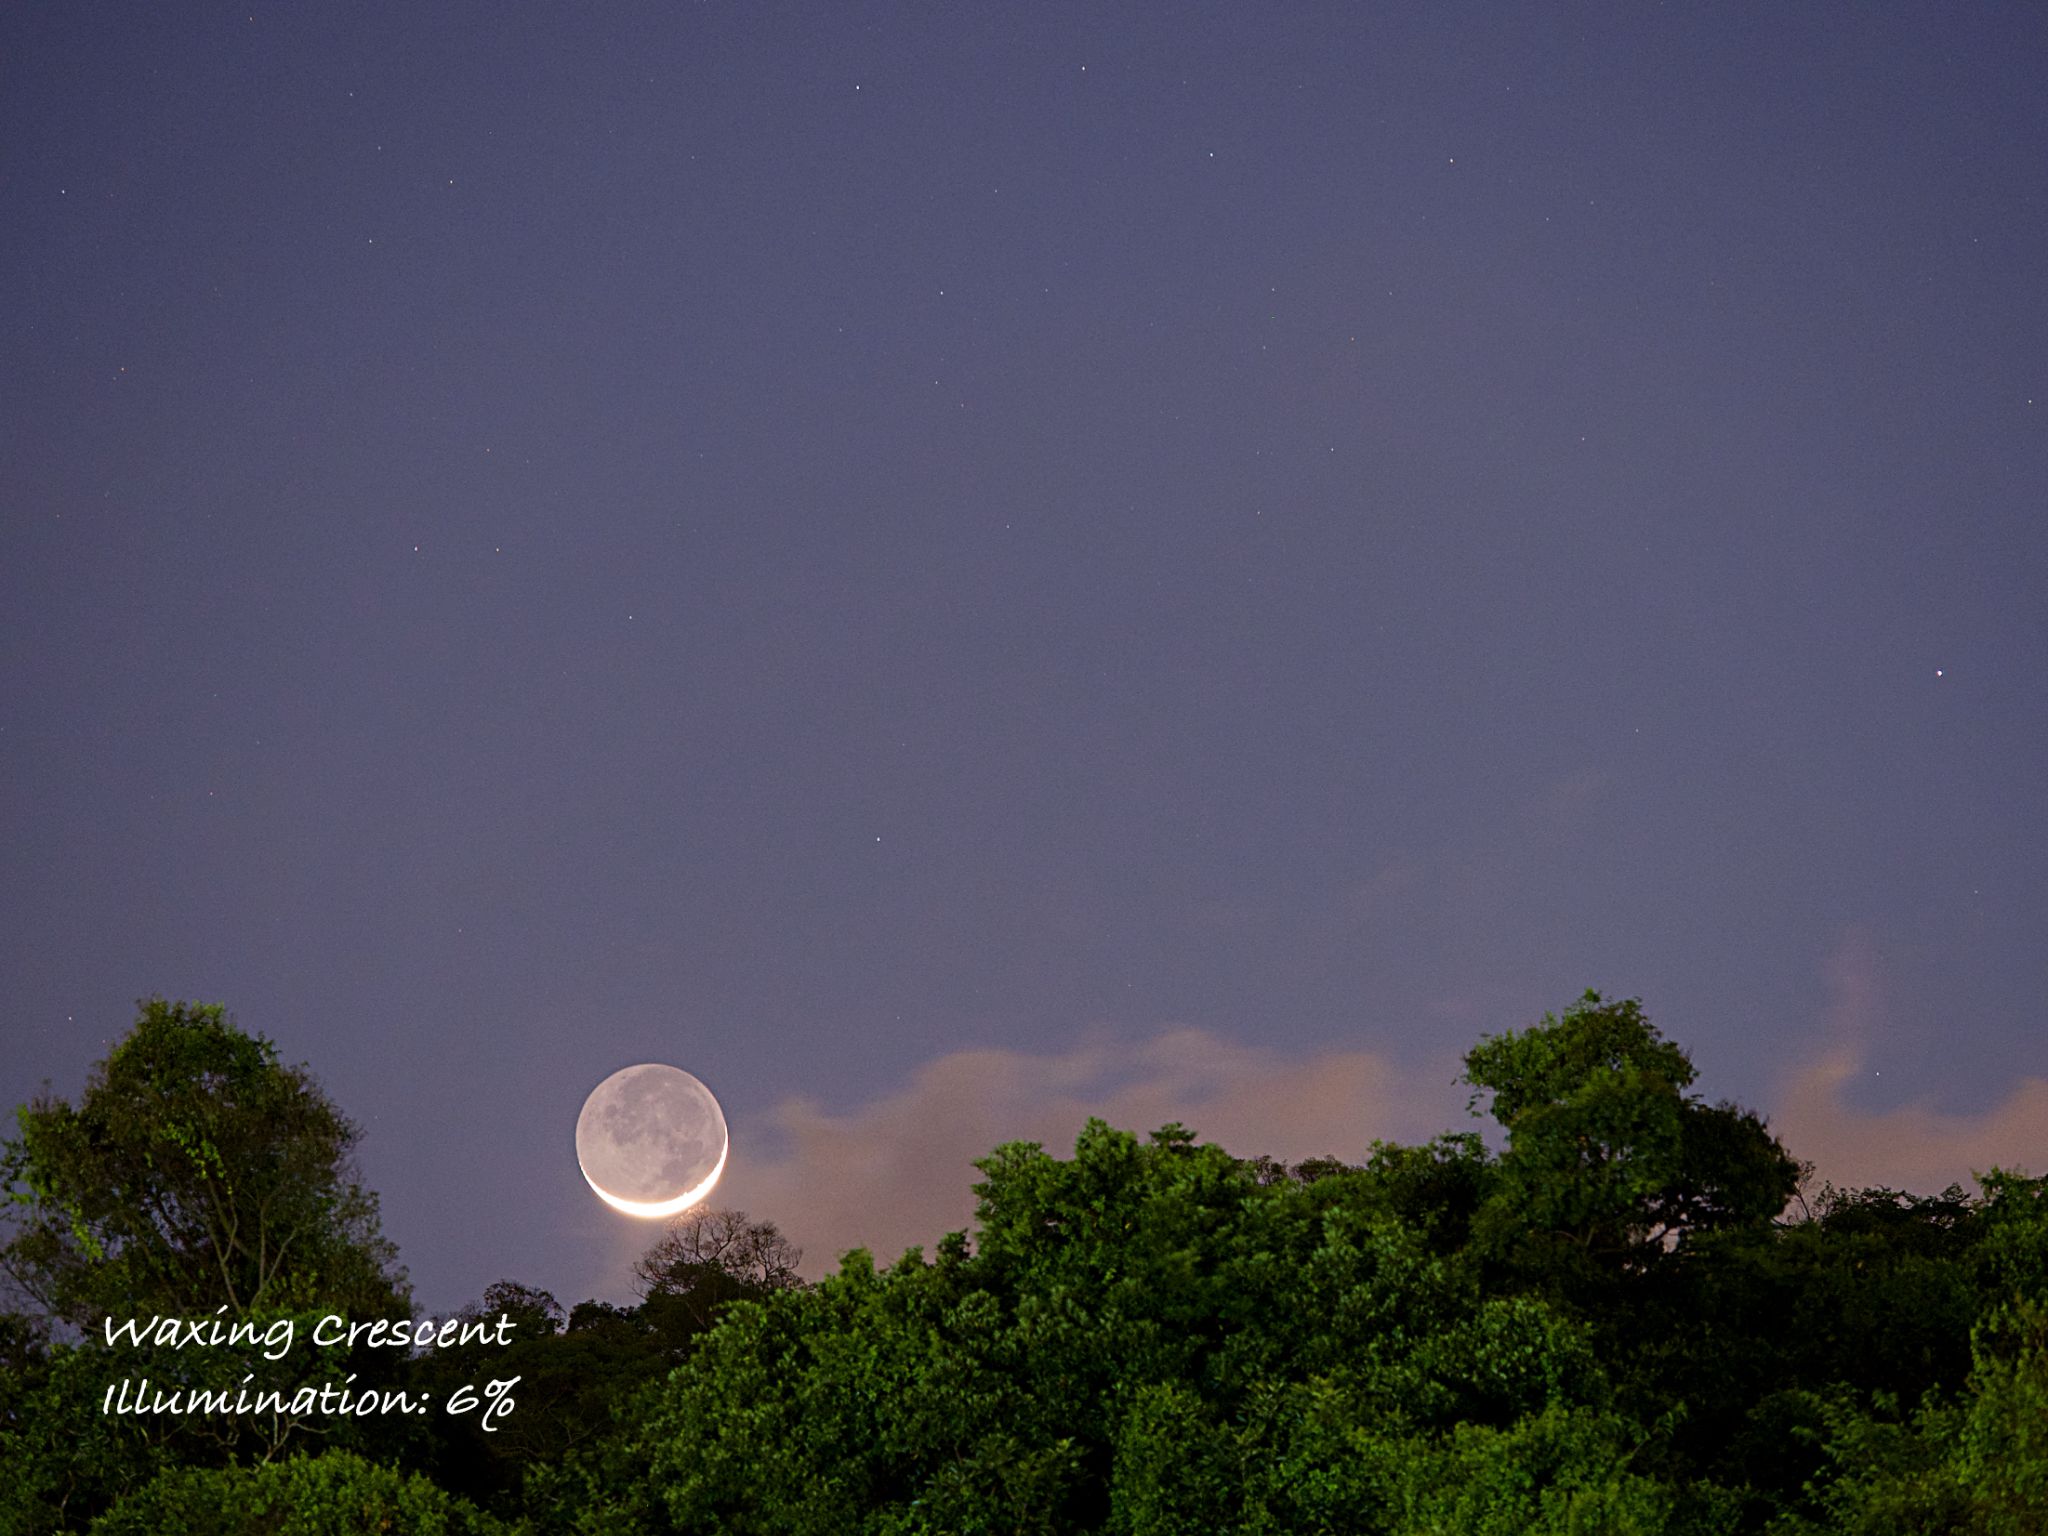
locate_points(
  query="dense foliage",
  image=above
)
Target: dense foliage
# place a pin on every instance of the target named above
(197, 1177)
(1632, 1318)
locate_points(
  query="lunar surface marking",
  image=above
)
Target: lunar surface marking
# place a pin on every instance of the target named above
(651, 1140)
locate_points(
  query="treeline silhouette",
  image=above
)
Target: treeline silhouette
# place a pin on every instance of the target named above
(1637, 1316)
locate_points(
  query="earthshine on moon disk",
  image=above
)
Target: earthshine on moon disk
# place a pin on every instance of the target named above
(651, 1140)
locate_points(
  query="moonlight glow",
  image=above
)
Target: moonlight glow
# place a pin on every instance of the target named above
(651, 1140)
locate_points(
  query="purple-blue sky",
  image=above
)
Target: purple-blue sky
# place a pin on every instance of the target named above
(991, 561)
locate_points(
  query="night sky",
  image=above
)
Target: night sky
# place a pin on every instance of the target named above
(944, 568)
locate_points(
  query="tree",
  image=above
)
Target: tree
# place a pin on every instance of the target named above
(195, 1172)
(302, 1496)
(1611, 1164)
(533, 1312)
(574, 1375)
(1147, 1336)
(1611, 1326)
(708, 1259)
(64, 1458)
(196, 1179)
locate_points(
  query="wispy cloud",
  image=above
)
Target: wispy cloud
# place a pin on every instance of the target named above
(1911, 1146)
(896, 1173)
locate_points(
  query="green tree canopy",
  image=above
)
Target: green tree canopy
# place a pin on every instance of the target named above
(1611, 1164)
(196, 1171)
(1614, 1324)
(338, 1494)
(199, 1178)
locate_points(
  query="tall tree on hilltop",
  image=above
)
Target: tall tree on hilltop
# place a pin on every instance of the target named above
(708, 1258)
(196, 1171)
(1611, 1165)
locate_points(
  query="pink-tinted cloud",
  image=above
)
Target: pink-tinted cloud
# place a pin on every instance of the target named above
(1912, 1146)
(896, 1173)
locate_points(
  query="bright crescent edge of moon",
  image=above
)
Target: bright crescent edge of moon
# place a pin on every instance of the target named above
(650, 1209)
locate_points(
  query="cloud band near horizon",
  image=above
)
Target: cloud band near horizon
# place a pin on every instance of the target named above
(897, 1172)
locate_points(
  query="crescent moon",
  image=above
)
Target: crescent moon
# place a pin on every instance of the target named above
(655, 1208)
(645, 1139)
